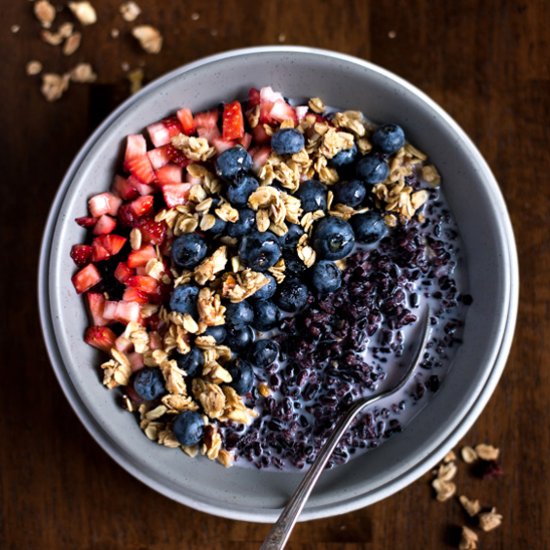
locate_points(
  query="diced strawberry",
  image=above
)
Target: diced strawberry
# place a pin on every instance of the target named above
(246, 140)
(281, 111)
(126, 216)
(123, 272)
(260, 135)
(268, 95)
(159, 156)
(96, 303)
(162, 132)
(140, 270)
(144, 283)
(124, 188)
(109, 310)
(81, 254)
(86, 278)
(142, 205)
(253, 97)
(140, 257)
(141, 188)
(152, 232)
(221, 145)
(136, 361)
(175, 193)
(155, 341)
(208, 119)
(259, 157)
(104, 203)
(102, 338)
(86, 221)
(123, 344)
(233, 123)
(301, 111)
(105, 246)
(136, 146)
(99, 252)
(176, 156)
(141, 168)
(168, 174)
(122, 312)
(134, 295)
(210, 134)
(185, 117)
(105, 224)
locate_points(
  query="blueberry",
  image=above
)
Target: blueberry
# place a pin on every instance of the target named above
(333, 238)
(292, 236)
(293, 264)
(184, 299)
(291, 295)
(188, 427)
(388, 138)
(351, 192)
(264, 352)
(268, 290)
(368, 227)
(218, 228)
(343, 158)
(326, 277)
(233, 162)
(218, 332)
(239, 338)
(238, 314)
(188, 250)
(244, 225)
(191, 362)
(239, 190)
(149, 383)
(287, 141)
(242, 374)
(312, 195)
(260, 251)
(372, 168)
(266, 315)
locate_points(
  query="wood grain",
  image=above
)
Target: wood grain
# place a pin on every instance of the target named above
(486, 63)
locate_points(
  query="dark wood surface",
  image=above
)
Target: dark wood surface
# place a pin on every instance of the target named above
(487, 63)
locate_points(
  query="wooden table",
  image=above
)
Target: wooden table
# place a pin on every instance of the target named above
(486, 63)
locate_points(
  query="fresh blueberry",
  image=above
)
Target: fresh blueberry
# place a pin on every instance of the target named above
(343, 158)
(333, 238)
(291, 295)
(351, 192)
(184, 299)
(292, 236)
(326, 277)
(218, 228)
(266, 291)
(287, 141)
(293, 264)
(188, 427)
(242, 374)
(233, 162)
(239, 190)
(388, 138)
(149, 383)
(239, 338)
(368, 227)
(218, 332)
(244, 225)
(266, 315)
(312, 195)
(260, 251)
(238, 314)
(372, 168)
(264, 352)
(188, 250)
(191, 362)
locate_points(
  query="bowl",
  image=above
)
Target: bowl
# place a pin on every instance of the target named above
(492, 268)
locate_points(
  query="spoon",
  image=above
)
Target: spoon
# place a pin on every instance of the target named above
(280, 532)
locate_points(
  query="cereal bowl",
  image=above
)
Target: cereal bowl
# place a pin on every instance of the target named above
(491, 267)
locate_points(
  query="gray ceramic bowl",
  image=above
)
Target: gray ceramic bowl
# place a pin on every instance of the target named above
(476, 203)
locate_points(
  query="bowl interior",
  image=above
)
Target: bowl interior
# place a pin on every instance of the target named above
(475, 202)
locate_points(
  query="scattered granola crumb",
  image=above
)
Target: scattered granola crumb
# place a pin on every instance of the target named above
(45, 13)
(444, 489)
(129, 11)
(15, 29)
(281, 37)
(490, 520)
(84, 12)
(449, 457)
(195, 16)
(469, 539)
(487, 452)
(149, 38)
(83, 73)
(125, 66)
(51, 38)
(392, 34)
(472, 507)
(72, 43)
(468, 454)
(135, 78)
(115, 33)
(33, 67)
(54, 85)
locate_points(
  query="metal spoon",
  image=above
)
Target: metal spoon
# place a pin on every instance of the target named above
(280, 532)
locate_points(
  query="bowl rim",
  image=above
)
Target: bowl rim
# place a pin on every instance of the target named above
(342, 506)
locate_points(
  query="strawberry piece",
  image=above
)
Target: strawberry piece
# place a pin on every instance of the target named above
(281, 111)
(123, 188)
(141, 188)
(144, 283)
(86, 221)
(301, 112)
(253, 97)
(210, 134)
(152, 232)
(102, 338)
(175, 193)
(169, 173)
(208, 119)
(105, 224)
(142, 205)
(260, 135)
(233, 122)
(126, 216)
(222, 145)
(121, 312)
(159, 156)
(96, 303)
(105, 246)
(155, 341)
(81, 254)
(136, 361)
(136, 146)
(104, 203)
(86, 278)
(140, 257)
(246, 140)
(259, 157)
(140, 167)
(176, 156)
(99, 252)
(122, 344)
(123, 272)
(162, 132)
(135, 295)
(185, 117)
(268, 95)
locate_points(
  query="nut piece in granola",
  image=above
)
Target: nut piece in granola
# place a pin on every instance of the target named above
(129, 11)
(44, 12)
(487, 452)
(33, 68)
(149, 38)
(490, 520)
(83, 73)
(468, 454)
(444, 489)
(472, 507)
(72, 43)
(84, 12)
(468, 540)
(54, 85)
